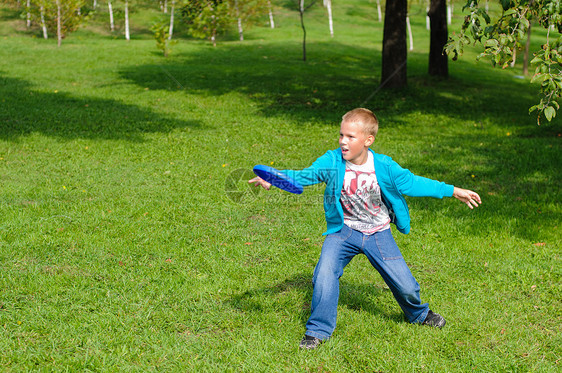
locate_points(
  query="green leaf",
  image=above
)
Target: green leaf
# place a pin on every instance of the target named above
(491, 43)
(537, 77)
(506, 4)
(509, 11)
(536, 60)
(549, 113)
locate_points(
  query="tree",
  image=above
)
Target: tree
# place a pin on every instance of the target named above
(303, 6)
(171, 29)
(162, 37)
(62, 16)
(439, 34)
(270, 14)
(111, 22)
(207, 18)
(394, 50)
(328, 5)
(59, 23)
(239, 20)
(28, 15)
(43, 24)
(127, 32)
(502, 36)
(246, 12)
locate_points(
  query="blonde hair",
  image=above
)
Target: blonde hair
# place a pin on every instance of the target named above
(365, 117)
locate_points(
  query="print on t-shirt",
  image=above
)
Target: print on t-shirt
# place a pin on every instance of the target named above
(361, 199)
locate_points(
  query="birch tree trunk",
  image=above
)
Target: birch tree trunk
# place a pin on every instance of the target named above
(271, 22)
(59, 26)
(330, 20)
(214, 27)
(379, 10)
(171, 31)
(127, 34)
(410, 36)
(95, 4)
(111, 24)
(301, 11)
(240, 30)
(165, 6)
(43, 25)
(28, 14)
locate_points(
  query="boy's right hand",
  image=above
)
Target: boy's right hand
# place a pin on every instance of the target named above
(257, 181)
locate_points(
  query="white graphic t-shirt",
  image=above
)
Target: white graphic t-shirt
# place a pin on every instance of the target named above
(363, 208)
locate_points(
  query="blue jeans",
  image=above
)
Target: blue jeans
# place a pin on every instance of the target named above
(383, 253)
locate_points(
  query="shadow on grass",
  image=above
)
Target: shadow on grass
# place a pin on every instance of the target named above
(337, 77)
(273, 76)
(25, 111)
(352, 296)
(517, 176)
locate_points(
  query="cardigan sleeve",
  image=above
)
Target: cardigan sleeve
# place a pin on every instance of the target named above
(417, 186)
(317, 173)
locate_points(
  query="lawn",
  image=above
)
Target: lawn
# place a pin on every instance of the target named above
(130, 240)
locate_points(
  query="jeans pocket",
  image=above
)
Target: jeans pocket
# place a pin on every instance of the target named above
(387, 246)
(343, 234)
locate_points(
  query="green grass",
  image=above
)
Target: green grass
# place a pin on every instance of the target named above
(130, 241)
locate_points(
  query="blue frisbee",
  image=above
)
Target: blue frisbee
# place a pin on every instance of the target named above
(276, 178)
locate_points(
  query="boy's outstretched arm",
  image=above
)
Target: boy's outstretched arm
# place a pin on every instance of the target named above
(472, 199)
(257, 181)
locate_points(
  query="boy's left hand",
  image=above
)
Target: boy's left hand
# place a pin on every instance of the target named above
(472, 199)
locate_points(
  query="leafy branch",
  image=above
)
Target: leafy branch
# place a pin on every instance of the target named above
(502, 37)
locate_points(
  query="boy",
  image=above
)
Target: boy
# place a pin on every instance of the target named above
(364, 194)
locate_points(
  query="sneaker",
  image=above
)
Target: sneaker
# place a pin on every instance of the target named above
(434, 319)
(309, 342)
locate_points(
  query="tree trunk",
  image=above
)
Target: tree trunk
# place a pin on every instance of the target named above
(301, 12)
(127, 34)
(214, 30)
(394, 50)
(410, 36)
(43, 25)
(111, 24)
(330, 19)
(271, 23)
(379, 10)
(59, 25)
(28, 13)
(171, 31)
(240, 30)
(438, 64)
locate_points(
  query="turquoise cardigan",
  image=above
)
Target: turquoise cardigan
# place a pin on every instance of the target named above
(394, 182)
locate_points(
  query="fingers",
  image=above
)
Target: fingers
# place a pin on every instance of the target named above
(472, 199)
(258, 181)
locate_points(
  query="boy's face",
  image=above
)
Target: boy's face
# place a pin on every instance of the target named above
(354, 142)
